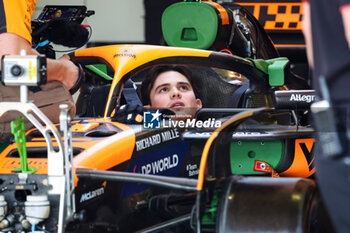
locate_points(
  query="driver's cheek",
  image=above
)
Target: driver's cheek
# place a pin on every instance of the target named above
(190, 98)
(160, 100)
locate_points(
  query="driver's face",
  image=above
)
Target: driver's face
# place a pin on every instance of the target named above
(172, 90)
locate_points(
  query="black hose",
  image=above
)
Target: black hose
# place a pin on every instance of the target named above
(168, 182)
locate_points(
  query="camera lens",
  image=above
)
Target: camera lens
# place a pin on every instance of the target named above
(16, 70)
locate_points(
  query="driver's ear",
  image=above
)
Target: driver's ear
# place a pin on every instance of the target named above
(199, 103)
(147, 106)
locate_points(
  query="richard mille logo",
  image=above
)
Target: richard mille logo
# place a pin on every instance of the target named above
(125, 52)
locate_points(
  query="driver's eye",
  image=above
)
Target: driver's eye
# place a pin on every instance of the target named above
(163, 90)
(184, 88)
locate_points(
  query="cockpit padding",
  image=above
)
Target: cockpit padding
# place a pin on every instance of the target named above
(213, 90)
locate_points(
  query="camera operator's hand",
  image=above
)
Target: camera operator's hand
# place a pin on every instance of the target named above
(62, 69)
(129, 114)
(69, 72)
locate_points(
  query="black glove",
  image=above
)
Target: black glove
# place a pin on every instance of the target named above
(129, 114)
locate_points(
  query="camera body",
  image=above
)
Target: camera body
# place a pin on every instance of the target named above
(29, 70)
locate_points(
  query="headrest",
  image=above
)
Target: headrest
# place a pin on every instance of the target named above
(190, 24)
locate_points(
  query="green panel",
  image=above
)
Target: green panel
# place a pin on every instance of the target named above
(3, 145)
(210, 212)
(190, 24)
(275, 68)
(244, 153)
(101, 70)
(276, 71)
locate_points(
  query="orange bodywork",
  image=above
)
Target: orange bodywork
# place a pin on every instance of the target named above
(107, 152)
(300, 166)
(100, 153)
(125, 58)
(222, 12)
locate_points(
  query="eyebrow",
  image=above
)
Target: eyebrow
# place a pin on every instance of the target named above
(167, 84)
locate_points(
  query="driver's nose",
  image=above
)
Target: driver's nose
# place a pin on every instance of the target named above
(175, 93)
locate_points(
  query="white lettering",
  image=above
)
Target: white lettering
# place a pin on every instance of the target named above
(217, 124)
(193, 173)
(192, 169)
(302, 98)
(190, 123)
(161, 165)
(165, 125)
(147, 142)
(146, 169)
(169, 135)
(175, 160)
(181, 124)
(92, 194)
(199, 124)
(206, 124)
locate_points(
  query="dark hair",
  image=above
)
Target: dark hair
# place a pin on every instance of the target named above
(153, 73)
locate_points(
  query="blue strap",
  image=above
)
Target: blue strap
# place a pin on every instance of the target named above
(130, 94)
(237, 95)
(42, 44)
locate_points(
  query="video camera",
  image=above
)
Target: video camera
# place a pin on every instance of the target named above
(60, 25)
(29, 70)
(68, 13)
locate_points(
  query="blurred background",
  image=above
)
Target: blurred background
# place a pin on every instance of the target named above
(119, 21)
(139, 21)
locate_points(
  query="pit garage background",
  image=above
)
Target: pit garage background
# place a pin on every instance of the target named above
(139, 21)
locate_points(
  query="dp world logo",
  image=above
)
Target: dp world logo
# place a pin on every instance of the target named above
(151, 119)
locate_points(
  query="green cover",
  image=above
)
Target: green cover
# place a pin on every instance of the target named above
(190, 25)
(275, 68)
(243, 154)
(101, 70)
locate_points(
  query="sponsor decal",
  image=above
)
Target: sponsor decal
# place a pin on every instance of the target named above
(160, 165)
(261, 166)
(303, 162)
(166, 161)
(92, 194)
(147, 142)
(193, 169)
(157, 139)
(125, 52)
(302, 98)
(307, 148)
